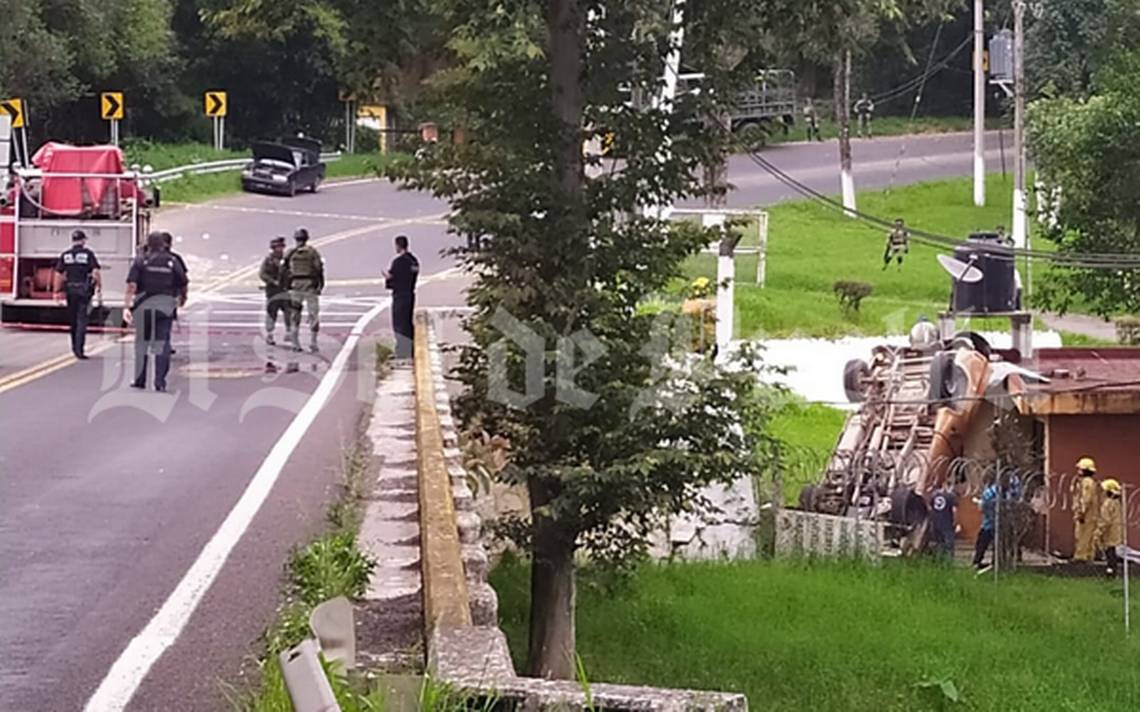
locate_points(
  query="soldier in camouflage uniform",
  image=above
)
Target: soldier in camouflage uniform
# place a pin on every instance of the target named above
(811, 121)
(306, 279)
(898, 244)
(274, 278)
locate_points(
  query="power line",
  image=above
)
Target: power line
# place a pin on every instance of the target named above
(1114, 261)
(931, 70)
(1096, 261)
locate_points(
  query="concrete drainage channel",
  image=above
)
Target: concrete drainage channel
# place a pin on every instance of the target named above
(430, 584)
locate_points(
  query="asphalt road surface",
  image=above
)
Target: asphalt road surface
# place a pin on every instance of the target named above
(142, 535)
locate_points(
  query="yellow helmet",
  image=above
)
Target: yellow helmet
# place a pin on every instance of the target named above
(1086, 464)
(1111, 486)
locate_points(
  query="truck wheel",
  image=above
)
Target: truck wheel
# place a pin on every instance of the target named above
(854, 374)
(808, 498)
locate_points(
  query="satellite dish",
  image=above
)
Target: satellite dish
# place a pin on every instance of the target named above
(959, 270)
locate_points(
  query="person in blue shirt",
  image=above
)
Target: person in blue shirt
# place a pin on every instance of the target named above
(988, 503)
(943, 525)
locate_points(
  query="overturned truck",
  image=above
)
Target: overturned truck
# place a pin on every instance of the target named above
(918, 404)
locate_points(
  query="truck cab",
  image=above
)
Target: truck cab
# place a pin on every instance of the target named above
(68, 188)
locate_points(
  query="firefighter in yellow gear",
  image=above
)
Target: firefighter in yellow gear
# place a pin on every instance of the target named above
(1086, 510)
(1110, 527)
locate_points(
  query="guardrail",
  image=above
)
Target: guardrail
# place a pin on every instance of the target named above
(199, 169)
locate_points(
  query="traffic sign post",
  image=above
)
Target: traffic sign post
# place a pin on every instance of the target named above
(216, 107)
(5, 140)
(376, 117)
(111, 109)
(349, 101)
(17, 114)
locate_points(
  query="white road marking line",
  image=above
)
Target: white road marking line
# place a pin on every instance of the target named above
(347, 183)
(261, 312)
(261, 325)
(131, 668)
(309, 214)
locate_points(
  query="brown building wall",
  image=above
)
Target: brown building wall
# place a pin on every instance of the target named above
(1114, 442)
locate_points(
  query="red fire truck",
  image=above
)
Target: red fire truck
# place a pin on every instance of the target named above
(68, 188)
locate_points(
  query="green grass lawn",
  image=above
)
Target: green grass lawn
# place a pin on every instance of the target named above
(794, 636)
(810, 247)
(809, 432)
(888, 126)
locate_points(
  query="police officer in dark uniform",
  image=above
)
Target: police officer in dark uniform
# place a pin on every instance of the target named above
(79, 278)
(156, 286)
(401, 279)
(169, 240)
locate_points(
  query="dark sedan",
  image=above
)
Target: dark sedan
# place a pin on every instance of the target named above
(286, 167)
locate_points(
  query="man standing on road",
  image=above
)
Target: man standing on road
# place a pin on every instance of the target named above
(811, 121)
(156, 286)
(168, 240)
(79, 278)
(273, 277)
(865, 110)
(401, 279)
(306, 274)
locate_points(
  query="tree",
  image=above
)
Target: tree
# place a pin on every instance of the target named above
(1065, 45)
(1086, 149)
(611, 433)
(315, 49)
(832, 33)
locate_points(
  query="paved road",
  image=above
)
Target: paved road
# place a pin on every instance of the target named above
(135, 548)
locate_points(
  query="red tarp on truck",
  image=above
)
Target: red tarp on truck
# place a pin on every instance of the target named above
(82, 196)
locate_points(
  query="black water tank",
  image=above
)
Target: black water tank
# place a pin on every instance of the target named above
(996, 291)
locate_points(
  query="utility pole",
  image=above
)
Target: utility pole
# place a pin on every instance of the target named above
(1020, 222)
(664, 99)
(843, 118)
(979, 105)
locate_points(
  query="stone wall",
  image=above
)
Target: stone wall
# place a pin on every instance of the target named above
(810, 534)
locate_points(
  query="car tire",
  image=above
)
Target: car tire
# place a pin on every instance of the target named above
(292, 191)
(315, 186)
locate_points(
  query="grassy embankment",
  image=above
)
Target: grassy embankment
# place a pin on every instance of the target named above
(193, 189)
(810, 247)
(794, 636)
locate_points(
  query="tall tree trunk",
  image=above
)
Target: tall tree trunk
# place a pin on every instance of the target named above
(552, 651)
(843, 120)
(552, 643)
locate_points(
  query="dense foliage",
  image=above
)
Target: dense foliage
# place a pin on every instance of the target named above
(1087, 149)
(610, 425)
(285, 63)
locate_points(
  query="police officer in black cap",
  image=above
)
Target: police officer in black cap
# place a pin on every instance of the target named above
(156, 286)
(78, 277)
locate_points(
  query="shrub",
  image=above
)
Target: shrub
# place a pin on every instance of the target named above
(851, 294)
(1128, 331)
